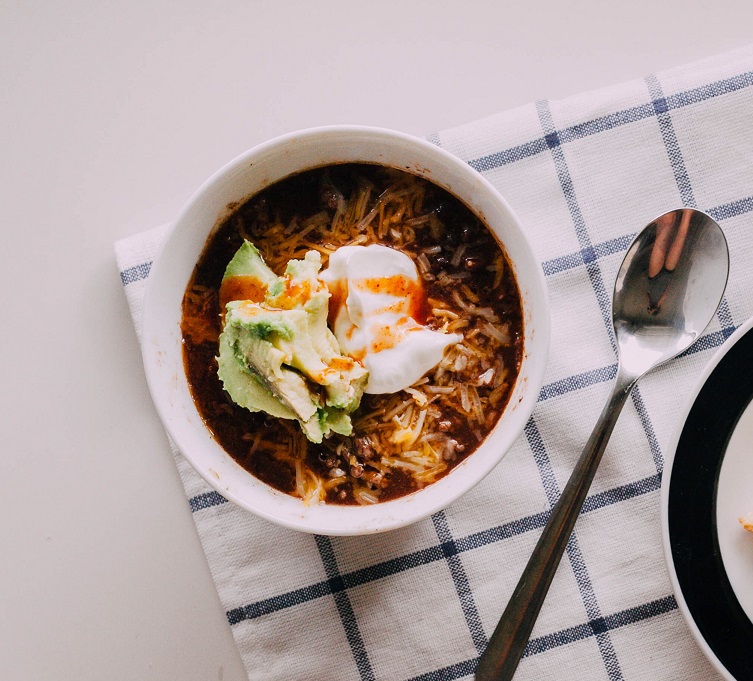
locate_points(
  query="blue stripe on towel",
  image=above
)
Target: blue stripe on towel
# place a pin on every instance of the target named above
(136, 273)
(433, 554)
(580, 570)
(658, 105)
(564, 637)
(344, 607)
(207, 500)
(460, 580)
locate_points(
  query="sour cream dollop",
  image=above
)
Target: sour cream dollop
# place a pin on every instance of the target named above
(376, 297)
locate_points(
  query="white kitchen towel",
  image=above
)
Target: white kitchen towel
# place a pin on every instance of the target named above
(584, 175)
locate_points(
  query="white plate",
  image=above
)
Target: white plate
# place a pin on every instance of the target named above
(735, 498)
(707, 484)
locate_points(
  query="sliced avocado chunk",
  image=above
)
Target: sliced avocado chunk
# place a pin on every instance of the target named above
(344, 384)
(346, 392)
(259, 356)
(246, 277)
(247, 262)
(254, 348)
(337, 420)
(287, 330)
(244, 388)
(276, 349)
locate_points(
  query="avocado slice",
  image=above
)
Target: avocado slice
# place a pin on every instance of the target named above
(336, 420)
(247, 261)
(246, 277)
(346, 379)
(277, 354)
(244, 387)
(287, 330)
(254, 345)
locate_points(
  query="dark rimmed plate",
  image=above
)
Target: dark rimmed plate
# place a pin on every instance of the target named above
(698, 564)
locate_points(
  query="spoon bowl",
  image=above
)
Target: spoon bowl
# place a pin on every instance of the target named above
(668, 289)
(659, 313)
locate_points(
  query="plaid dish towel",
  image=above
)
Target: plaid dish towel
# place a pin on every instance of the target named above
(583, 174)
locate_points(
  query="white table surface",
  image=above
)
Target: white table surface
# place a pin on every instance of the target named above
(112, 114)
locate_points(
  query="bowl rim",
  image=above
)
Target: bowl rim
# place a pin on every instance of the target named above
(408, 509)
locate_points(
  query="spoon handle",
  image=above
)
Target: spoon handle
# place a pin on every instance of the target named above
(508, 642)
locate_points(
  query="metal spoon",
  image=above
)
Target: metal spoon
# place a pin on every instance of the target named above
(668, 289)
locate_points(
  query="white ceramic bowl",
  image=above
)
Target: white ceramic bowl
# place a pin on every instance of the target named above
(233, 184)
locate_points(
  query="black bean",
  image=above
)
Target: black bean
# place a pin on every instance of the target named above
(364, 448)
(328, 459)
(329, 198)
(440, 209)
(452, 238)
